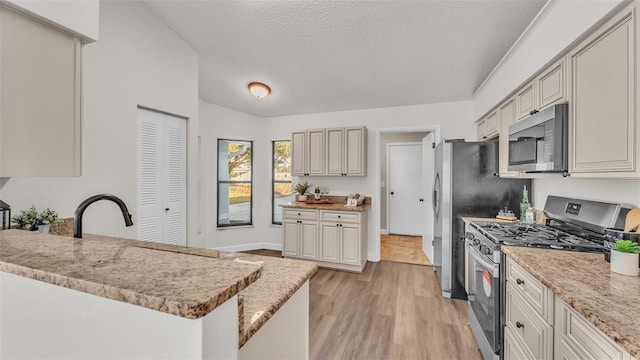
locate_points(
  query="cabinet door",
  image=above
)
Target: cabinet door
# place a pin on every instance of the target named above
(355, 151)
(575, 335)
(491, 126)
(526, 325)
(525, 100)
(603, 97)
(335, 151)
(513, 349)
(315, 149)
(507, 114)
(482, 129)
(329, 241)
(298, 153)
(552, 85)
(309, 240)
(290, 236)
(39, 99)
(350, 244)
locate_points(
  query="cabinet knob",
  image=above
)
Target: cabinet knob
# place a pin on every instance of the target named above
(533, 112)
(519, 325)
(339, 216)
(519, 281)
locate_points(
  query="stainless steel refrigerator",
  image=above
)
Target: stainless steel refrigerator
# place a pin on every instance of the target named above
(466, 183)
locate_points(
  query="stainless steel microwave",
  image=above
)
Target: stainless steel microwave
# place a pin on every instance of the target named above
(538, 143)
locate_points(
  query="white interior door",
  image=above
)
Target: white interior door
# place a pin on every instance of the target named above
(161, 178)
(428, 143)
(406, 200)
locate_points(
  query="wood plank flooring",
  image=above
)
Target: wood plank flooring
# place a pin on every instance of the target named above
(390, 311)
(403, 248)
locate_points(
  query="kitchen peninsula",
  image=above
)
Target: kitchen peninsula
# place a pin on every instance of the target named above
(116, 298)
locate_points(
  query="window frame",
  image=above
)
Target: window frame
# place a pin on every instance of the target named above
(218, 182)
(274, 181)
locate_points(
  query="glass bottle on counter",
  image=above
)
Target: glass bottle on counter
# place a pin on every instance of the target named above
(524, 205)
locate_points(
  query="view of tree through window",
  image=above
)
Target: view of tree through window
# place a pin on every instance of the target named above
(235, 177)
(281, 178)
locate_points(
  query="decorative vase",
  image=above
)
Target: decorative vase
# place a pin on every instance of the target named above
(302, 197)
(44, 228)
(624, 263)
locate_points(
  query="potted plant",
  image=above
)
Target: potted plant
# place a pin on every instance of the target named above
(45, 219)
(624, 257)
(302, 189)
(27, 219)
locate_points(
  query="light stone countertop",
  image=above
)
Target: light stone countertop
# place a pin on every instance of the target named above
(469, 220)
(280, 279)
(339, 204)
(181, 281)
(610, 301)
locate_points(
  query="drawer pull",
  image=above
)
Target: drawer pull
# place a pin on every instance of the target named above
(519, 282)
(519, 325)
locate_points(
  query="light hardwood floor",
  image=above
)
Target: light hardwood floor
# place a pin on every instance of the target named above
(390, 311)
(402, 248)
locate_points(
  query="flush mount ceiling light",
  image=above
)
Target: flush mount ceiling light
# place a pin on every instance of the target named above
(259, 90)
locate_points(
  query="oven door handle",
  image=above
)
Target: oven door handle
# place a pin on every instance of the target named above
(483, 262)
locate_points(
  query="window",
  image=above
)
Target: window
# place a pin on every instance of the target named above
(281, 178)
(235, 178)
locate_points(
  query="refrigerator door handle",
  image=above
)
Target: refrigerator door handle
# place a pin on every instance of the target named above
(434, 201)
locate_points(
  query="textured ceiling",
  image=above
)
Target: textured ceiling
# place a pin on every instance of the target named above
(320, 56)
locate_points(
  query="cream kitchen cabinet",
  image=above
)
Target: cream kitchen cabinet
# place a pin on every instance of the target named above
(335, 239)
(40, 113)
(548, 88)
(528, 314)
(576, 338)
(300, 234)
(346, 150)
(488, 128)
(343, 240)
(604, 129)
(307, 152)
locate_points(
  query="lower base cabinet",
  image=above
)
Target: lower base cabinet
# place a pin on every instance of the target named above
(540, 325)
(337, 239)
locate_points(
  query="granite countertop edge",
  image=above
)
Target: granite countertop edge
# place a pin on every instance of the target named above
(593, 314)
(329, 207)
(194, 308)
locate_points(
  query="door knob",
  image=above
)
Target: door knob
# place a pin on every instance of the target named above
(166, 209)
(421, 200)
(392, 193)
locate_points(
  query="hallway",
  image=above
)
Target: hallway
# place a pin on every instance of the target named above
(404, 249)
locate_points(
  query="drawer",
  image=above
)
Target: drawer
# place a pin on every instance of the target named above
(340, 216)
(581, 338)
(527, 326)
(513, 348)
(298, 214)
(536, 294)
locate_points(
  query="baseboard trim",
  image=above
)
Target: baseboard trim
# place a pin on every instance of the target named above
(248, 247)
(384, 232)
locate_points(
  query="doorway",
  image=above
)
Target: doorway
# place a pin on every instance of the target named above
(405, 230)
(162, 179)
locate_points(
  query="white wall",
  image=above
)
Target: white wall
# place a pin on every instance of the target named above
(77, 16)
(138, 61)
(556, 30)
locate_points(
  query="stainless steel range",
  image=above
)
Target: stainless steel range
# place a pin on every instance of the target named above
(572, 225)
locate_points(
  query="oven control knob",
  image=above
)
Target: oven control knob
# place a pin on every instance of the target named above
(486, 251)
(476, 242)
(471, 237)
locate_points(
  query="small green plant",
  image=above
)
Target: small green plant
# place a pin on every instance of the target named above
(48, 217)
(302, 189)
(626, 246)
(27, 219)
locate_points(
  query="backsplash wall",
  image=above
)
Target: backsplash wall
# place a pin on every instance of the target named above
(617, 191)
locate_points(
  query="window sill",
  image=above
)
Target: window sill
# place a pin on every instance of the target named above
(235, 227)
(275, 225)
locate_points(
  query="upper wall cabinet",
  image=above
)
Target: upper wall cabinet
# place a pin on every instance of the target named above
(605, 136)
(330, 152)
(40, 113)
(307, 152)
(507, 116)
(546, 89)
(488, 128)
(346, 151)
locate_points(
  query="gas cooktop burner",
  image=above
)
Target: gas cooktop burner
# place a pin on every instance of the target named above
(539, 236)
